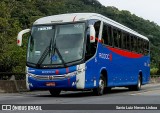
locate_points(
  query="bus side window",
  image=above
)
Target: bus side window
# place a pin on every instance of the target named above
(135, 44)
(109, 32)
(124, 38)
(139, 45)
(132, 43)
(143, 46)
(116, 38)
(104, 35)
(120, 39)
(97, 27)
(128, 42)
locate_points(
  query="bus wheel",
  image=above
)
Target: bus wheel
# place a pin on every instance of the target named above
(55, 92)
(100, 90)
(138, 86)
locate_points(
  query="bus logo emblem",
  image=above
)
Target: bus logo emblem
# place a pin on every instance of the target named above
(50, 77)
(105, 56)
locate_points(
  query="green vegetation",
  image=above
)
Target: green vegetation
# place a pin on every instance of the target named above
(16, 15)
(154, 71)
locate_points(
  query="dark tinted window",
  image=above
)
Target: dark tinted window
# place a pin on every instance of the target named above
(124, 39)
(128, 42)
(107, 34)
(105, 37)
(109, 29)
(135, 44)
(116, 38)
(120, 38)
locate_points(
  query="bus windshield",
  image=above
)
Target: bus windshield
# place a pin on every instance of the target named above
(56, 44)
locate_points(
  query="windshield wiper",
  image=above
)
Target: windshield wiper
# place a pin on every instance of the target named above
(59, 54)
(49, 51)
(44, 55)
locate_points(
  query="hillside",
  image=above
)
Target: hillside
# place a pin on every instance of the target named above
(20, 14)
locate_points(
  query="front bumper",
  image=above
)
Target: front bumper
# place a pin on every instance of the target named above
(65, 81)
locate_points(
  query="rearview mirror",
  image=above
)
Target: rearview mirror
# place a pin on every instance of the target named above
(92, 34)
(20, 34)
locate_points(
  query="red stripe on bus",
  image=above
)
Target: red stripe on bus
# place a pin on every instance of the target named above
(57, 72)
(67, 70)
(125, 53)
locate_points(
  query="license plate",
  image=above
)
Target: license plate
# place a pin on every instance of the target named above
(50, 84)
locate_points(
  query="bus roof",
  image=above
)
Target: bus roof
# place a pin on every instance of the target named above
(75, 17)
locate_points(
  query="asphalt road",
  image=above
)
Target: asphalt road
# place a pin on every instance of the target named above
(150, 94)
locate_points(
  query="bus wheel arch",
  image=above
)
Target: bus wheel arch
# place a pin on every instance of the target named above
(104, 74)
(98, 91)
(137, 87)
(102, 87)
(107, 89)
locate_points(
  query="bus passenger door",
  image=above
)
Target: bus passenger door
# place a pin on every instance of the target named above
(90, 54)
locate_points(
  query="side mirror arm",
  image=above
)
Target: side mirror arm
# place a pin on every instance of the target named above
(92, 34)
(20, 34)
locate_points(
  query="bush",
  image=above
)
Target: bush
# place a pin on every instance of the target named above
(154, 71)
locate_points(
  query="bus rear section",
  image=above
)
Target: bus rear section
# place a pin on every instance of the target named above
(125, 56)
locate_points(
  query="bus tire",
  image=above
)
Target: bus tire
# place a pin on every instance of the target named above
(137, 87)
(139, 84)
(100, 89)
(55, 92)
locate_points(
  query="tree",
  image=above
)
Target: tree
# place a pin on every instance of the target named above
(16, 15)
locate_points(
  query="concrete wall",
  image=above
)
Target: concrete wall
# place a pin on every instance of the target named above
(12, 86)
